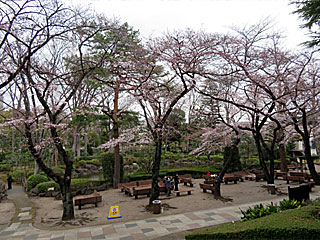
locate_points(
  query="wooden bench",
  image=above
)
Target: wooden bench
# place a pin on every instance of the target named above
(294, 179)
(88, 199)
(310, 184)
(230, 177)
(260, 176)
(279, 174)
(291, 167)
(250, 177)
(124, 186)
(206, 187)
(144, 182)
(182, 191)
(211, 181)
(186, 180)
(143, 190)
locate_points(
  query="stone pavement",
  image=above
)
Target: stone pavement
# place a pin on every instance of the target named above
(141, 229)
(159, 226)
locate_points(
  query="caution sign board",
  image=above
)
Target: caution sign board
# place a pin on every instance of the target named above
(114, 212)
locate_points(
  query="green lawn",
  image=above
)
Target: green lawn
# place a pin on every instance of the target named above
(298, 223)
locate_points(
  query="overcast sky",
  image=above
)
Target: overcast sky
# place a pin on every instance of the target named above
(153, 17)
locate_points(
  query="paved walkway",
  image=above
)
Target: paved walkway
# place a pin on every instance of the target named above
(142, 229)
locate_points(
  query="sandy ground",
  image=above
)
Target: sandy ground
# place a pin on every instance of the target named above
(49, 211)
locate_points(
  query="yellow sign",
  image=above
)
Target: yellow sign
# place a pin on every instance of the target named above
(114, 212)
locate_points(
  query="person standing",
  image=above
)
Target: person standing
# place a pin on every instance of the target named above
(168, 185)
(176, 182)
(9, 180)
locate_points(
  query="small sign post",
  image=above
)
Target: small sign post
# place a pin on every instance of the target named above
(114, 212)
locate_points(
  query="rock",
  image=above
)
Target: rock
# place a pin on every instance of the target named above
(126, 167)
(135, 166)
(3, 191)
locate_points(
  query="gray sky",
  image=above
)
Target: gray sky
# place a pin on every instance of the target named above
(153, 17)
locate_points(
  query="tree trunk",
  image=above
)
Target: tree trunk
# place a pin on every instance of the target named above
(78, 144)
(269, 176)
(155, 191)
(116, 175)
(86, 140)
(307, 148)
(68, 209)
(56, 156)
(217, 186)
(282, 151)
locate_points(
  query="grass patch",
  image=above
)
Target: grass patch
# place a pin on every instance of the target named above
(290, 224)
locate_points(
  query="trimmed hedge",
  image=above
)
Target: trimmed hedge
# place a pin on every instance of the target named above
(291, 224)
(18, 175)
(165, 172)
(5, 168)
(78, 183)
(34, 180)
(43, 187)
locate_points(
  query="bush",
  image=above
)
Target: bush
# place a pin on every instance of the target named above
(60, 170)
(18, 175)
(34, 180)
(30, 173)
(43, 187)
(290, 204)
(107, 161)
(258, 211)
(5, 168)
(217, 158)
(79, 183)
(95, 162)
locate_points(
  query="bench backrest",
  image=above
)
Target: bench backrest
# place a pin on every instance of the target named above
(144, 182)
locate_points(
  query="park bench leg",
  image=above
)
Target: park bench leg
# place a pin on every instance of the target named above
(185, 184)
(204, 190)
(235, 181)
(136, 196)
(96, 203)
(287, 181)
(178, 194)
(191, 185)
(189, 192)
(226, 182)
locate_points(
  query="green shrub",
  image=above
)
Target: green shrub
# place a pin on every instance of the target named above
(60, 170)
(289, 204)
(18, 175)
(258, 211)
(34, 180)
(30, 173)
(43, 187)
(78, 183)
(107, 161)
(216, 158)
(203, 158)
(5, 168)
(95, 162)
(81, 163)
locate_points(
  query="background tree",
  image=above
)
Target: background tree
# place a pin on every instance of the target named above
(309, 11)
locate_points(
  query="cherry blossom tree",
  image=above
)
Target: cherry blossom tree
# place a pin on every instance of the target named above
(180, 56)
(49, 79)
(302, 102)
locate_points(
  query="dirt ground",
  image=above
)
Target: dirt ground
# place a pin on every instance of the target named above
(49, 211)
